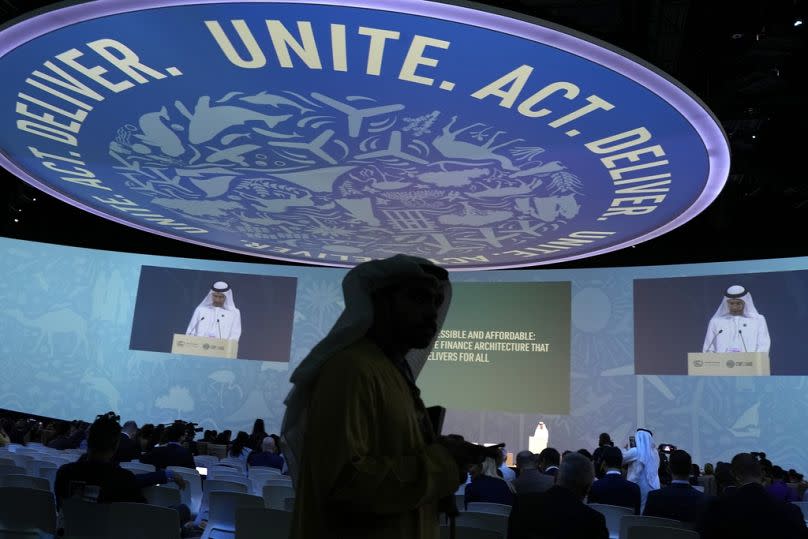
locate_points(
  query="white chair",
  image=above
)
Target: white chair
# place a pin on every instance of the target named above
(223, 506)
(48, 471)
(462, 532)
(27, 509)
(139, 520)
(613, 515)
(254, 522)
(699, 488)
(486, 507)
(221, 468)
(138, 467)
(274, 495)
(11, 470)
(483, 521)
(660, 532)
(85, 520)
(22, 460)
(192, 494)
(25, 481)
(236, 479)
(630, 521)
(161, 496)
(216, 485)
(259, 477)
(206, 461)
(234, 463)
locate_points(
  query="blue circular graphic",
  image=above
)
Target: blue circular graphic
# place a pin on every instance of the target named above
(333, 134)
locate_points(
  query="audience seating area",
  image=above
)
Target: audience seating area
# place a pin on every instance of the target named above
(230, 499)
(28, 508)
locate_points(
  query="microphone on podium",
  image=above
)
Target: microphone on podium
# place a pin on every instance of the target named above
(742, 340)
(219, 326)
(720, 331)
(196, 326)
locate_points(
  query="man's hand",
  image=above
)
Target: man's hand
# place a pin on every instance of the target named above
(182, 483)
(465, 454)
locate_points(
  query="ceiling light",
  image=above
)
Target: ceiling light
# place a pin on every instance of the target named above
(798, 22)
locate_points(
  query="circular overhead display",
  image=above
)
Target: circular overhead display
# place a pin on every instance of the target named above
(336, 131)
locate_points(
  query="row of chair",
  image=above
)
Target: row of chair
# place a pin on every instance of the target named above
(490, 520)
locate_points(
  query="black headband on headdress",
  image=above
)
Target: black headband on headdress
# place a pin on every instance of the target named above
(735, 296)
(646, 430)
(225, 289)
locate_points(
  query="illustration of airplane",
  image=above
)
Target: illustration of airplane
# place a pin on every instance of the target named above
(315, 146)
(355, 115)
(393, 150)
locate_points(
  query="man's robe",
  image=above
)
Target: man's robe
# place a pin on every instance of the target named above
(366, 471)
(737, 334)
(204, 323)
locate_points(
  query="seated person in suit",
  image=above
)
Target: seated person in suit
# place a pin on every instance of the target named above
(748, 512)
(171, 453)
(530, 479)
(96, 477)
(604, 441)
(613, 489)
(559, 513)
(487, 486)
(504, 471)
(679, 501)
(549, 459)
(267, 456)
(129, 446)
(778, 489)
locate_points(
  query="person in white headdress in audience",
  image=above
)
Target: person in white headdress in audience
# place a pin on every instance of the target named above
(643, 464)
(217, 315)
(736, 325)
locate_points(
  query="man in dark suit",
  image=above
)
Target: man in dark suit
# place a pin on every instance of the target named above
(559, 513)
(530, 479)
(748, 512)
(613, 489)
(170, 453)
(678, 501)
(128, 448)
(548, 461)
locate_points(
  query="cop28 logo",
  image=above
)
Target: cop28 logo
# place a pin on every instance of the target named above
(281, 130)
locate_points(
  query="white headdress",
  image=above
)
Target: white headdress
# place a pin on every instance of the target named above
(223, 287)
(353, 324)
(737, 292)
(648, 456)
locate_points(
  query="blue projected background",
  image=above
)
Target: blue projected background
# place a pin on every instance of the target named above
(67, 317)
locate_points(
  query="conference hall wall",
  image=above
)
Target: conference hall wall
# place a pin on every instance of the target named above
(74, 344)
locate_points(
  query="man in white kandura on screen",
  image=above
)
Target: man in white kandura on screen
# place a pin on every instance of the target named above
(737, 326)
(217, 315)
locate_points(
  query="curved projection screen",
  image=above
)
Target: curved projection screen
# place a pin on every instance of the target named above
(556, 346)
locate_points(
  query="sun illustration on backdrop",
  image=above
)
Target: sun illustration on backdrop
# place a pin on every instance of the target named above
(344, 175)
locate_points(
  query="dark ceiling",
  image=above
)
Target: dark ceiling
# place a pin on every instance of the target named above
(746, 60)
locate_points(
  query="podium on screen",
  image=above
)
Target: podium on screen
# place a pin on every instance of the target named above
(728, 364)
(204, 346)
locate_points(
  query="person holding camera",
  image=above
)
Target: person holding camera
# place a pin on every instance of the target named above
(359, 443)
(643, 463)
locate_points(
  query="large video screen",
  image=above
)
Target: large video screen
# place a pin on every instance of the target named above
(174, 306)
(678, 317)
(504, 347)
